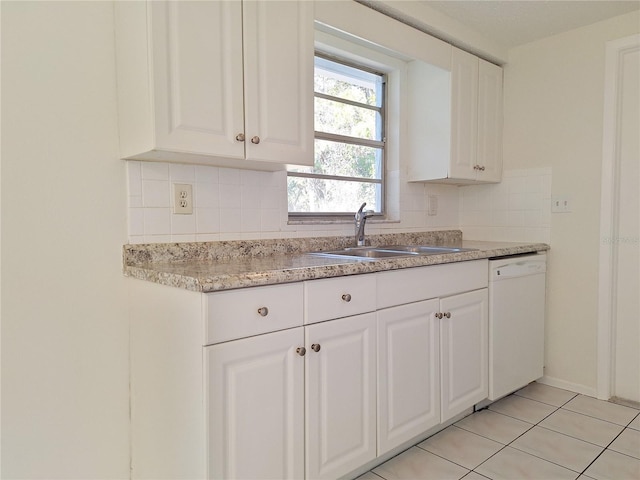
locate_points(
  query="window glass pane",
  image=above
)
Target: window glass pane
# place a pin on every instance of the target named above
(348, 113)
(346, 160)
(332, 78)
(344, 119)
(310, 195)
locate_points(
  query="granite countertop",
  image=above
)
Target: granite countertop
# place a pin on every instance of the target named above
(216, 266)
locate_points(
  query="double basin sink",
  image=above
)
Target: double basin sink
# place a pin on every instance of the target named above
(391, 251)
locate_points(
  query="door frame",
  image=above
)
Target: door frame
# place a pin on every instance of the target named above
(614, 62)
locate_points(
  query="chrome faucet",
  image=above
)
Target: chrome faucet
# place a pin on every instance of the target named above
(361, 218)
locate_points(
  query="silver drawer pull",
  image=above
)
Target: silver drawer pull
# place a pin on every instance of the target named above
(301, 351)
(315, 347)
(448, 314)
(255, 140)
(240, 137)
(346, 297)
(263, 311)
(439, 315)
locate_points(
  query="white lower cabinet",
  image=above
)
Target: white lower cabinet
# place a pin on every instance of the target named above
(255, 405)
(256, 402)
(409, 372)
(240, 384)
(340, 396)
(464, 345)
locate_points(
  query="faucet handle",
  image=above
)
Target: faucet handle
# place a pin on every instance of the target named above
(362, 207)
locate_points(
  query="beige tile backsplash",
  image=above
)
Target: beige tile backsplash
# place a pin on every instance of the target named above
(232, 204)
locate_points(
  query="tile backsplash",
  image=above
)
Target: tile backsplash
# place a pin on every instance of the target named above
(518, 209)
(232, 204)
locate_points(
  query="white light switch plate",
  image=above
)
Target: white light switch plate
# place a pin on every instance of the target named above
(560, 204)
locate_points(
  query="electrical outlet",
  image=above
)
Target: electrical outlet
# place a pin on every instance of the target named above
(182, 199)
(560, 204)
(433, 205)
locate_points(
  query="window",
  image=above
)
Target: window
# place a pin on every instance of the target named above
(349, 143)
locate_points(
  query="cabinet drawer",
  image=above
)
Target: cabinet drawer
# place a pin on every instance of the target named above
(252, 311)
(339, 297)
(422, 283)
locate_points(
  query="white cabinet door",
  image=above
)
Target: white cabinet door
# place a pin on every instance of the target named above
(340, 396)
(197, 75)
(464, 347)
(408, 372)
(489, 122)
(254, 399)
(228, 83)
(464, 114)
(278, 81)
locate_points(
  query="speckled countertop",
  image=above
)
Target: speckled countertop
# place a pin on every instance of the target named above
(215, 266)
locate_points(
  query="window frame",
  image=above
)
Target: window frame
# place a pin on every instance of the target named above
(381, 144)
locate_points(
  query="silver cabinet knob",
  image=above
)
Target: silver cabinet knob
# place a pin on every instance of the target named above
(448, 314)
(301, 351)
(240, 137)
(263, 311)
(346, 297)
(255, 140)
(438, 315)
(315, 347)
(482, 168)
(476, 167)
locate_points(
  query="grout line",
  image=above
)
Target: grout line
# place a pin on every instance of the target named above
(538, 424)
(600, 454)
(597, 418)
(550, 404)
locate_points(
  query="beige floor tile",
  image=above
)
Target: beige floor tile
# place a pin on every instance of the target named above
(461, 446)
(474, 476)
(635, 423)
(523, 408)
(628, 442)
(416, 463)
(512, 464)
(582, 427)
(546, 394)
(557, 448)
(607, 411)
(369, 476)
(614, 466)
(495, 426)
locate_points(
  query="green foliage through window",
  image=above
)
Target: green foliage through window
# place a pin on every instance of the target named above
(349, 144)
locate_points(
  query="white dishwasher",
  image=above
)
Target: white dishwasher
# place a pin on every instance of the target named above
(516, 322)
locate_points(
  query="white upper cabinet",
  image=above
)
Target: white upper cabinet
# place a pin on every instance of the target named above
(455, 121)
(464, 114)
(489, 151)
(216, 82)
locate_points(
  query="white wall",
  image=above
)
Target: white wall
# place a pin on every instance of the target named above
(64, 328)
(554, 91)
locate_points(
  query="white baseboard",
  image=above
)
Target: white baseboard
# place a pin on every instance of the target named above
(572, 387)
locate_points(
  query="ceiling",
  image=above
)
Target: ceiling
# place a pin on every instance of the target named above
(516, 22)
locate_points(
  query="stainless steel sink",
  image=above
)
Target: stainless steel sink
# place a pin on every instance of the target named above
(427, 249)
(391, 251)
(367, 253)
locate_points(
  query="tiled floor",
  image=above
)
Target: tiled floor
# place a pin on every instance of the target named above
(540, 432)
